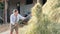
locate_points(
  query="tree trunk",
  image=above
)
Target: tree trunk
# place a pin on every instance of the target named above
(5, 12)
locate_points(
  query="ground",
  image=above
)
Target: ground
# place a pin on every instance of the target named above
(6, 30)
(4, 27)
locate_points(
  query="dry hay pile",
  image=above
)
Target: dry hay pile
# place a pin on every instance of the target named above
(36, 16)
(47, 18)
(52, 9)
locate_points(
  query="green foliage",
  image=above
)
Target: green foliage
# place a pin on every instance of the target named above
(1, 5)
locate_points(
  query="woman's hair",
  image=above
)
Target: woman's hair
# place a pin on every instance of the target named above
(15, 10)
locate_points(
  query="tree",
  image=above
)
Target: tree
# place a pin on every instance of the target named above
(5, 11)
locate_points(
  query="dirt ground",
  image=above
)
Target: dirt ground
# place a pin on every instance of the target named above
(4, 27)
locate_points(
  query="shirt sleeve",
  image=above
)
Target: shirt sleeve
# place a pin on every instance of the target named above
(21, 17)
(11, 20)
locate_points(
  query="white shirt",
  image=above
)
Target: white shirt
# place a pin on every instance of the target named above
(13, 18)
